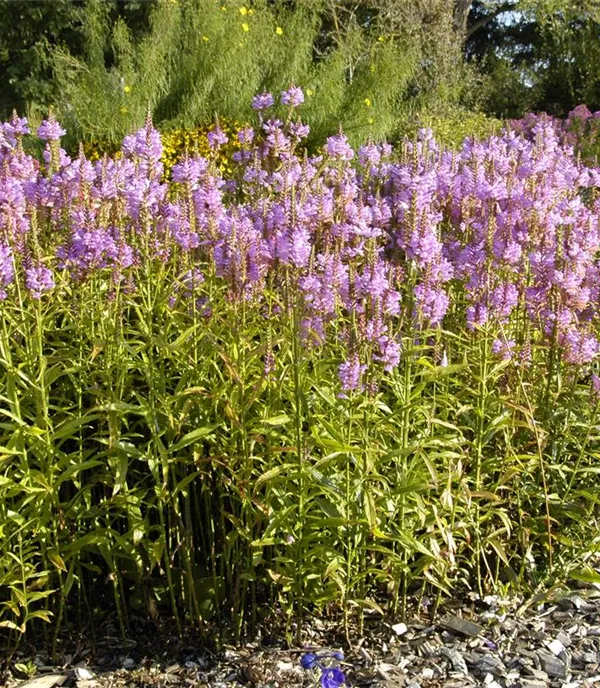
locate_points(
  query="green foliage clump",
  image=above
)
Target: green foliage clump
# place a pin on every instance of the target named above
(199, 59)
(535, 55)
(453, 127)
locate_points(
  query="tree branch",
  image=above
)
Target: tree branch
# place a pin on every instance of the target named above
(479, 24)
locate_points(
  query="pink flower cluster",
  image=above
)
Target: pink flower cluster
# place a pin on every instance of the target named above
(370, 246)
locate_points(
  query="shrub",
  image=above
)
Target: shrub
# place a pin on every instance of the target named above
(359, 68)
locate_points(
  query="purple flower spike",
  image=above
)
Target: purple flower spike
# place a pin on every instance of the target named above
(7, 270)
(338, 147)
(246, 136)
(217, 137)
(332, 678)
(263, 101)
(50, 130)
(299, 130)
(308, 661)
(293, 97)
(38, 279)
(350, 373)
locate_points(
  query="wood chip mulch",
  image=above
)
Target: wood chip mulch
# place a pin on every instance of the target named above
(502, 645)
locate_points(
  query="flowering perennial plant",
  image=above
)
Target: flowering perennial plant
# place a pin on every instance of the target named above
(324, 374)
(365, 249)
(178, 142)
(579, 129)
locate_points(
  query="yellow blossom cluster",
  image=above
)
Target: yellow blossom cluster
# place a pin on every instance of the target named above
(177, 141)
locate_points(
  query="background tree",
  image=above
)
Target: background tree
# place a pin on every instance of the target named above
(29, 32)
(373, 65)
(368, 65)
(535, 54)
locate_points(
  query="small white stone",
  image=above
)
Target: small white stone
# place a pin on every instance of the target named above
(400, 628)
(83, 674)
(555, 647)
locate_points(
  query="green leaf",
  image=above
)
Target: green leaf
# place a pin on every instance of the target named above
(272, 473)
(587, 575)
(282, 419)
(191, 437)
(57, 560)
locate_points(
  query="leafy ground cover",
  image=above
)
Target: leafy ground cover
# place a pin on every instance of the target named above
(310, 384)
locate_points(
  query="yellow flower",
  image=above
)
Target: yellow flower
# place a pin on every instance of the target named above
(243, 11)
(309, 92)
(368, 102)
(279, 30)
(245, 27)
(123, 110)
(223, 8)
(127, 89)
(205, 38)
(250, 12)
(381, 39)
(371, 120)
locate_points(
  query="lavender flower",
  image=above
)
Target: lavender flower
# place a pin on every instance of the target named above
(7, 270)
(245, 136)
(38, 279)
(189, 170)
(389, 353)
(503, 348)
(50, 130)
(263, 101)
(299, 130)
(145, 146)
(502, 235)
(293, 97)
(338, 147)
(350, 373)
(217, 138)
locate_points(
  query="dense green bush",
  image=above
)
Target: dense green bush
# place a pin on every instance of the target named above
(202, 59)
(452, 126)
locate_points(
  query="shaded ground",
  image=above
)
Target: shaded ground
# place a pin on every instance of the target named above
(500, 646)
